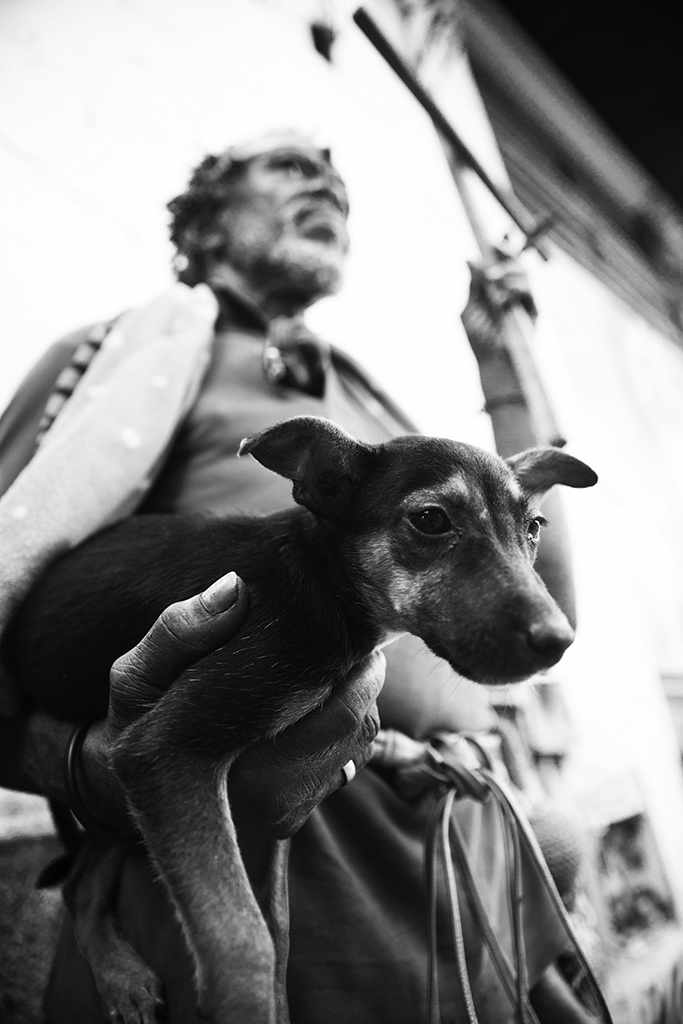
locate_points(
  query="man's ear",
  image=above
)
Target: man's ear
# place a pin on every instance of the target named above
(321, 460)
(539, 469)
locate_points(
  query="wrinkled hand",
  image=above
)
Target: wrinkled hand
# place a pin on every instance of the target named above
(494, 290)
(274, 785)
(183, 633)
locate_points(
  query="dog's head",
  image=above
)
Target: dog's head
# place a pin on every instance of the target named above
(443, 534)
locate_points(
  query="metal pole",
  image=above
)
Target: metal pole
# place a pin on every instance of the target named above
(507, 200)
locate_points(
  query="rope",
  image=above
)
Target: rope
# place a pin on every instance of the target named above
(445, 845)
(524, 832)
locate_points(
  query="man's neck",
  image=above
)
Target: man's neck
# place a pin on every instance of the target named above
(224, 279)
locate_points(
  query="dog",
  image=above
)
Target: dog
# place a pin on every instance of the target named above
(421, 535)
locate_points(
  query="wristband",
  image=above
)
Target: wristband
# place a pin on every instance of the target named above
(106, 833)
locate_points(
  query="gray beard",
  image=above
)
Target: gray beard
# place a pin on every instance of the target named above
(296, 272)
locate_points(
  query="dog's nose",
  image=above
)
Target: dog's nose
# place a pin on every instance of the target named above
(551, 637)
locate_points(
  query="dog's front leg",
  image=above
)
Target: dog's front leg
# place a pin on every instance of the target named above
(267, 866)
(129, 991)
(275, 906)
(179, 798)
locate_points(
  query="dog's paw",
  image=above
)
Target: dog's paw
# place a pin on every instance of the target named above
(133, 996)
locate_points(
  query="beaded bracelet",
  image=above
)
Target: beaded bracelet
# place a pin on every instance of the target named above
(106, 833)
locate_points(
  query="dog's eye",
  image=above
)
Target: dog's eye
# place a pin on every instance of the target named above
(534, 529)
(430, 520)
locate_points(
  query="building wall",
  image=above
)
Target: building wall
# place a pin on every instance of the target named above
(616, 385)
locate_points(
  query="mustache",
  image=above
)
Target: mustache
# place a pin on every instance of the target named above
(326, 195)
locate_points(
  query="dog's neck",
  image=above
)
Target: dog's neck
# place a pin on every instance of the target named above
(328, 591)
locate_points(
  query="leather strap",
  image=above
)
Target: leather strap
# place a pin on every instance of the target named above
(457, 766)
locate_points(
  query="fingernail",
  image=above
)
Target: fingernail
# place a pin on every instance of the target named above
(222, 594)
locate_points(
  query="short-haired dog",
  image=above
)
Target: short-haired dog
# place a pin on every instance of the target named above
(419, 534)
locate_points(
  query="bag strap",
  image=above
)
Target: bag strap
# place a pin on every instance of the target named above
(462, 768)
(517, 820)
(445, 838)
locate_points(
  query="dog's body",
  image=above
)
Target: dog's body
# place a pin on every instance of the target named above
(419, 535)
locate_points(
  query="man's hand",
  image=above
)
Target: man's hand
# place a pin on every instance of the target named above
(183, 634)
(494, 290)
(274, 785)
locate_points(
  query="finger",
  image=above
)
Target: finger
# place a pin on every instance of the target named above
(185, 632)
(273, 791)
(342, 714)
(358, 748)
(276, 784)
(324, 778)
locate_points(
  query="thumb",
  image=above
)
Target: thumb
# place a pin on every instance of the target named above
(184, 633)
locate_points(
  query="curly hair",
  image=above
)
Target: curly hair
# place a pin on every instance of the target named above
(207, 193)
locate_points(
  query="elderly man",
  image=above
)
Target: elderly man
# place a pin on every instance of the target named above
(264, 225)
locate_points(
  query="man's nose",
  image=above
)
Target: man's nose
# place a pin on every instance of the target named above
(331, 180)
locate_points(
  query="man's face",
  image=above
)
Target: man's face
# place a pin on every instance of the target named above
(284, 226)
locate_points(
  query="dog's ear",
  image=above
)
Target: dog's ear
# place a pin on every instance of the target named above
(321, 460)
(539, 469)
